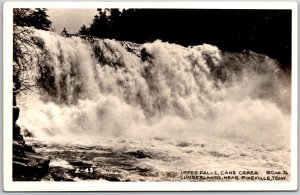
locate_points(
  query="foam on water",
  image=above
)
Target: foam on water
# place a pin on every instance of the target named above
(121, 90)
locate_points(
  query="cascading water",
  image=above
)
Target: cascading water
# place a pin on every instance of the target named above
(126, 95)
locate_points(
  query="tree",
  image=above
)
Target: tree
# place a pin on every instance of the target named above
(21, 16)
(115, 24)
(64, 33)
(32, 17)
(84, 30)
(39, 19)
(27, 49)
(100, 26)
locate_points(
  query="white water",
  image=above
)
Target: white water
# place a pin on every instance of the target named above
(189, 108)
(105, 90)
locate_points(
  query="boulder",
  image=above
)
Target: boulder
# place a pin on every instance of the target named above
(17, 133)
(27, 164)
(16, 112)
(30, 167)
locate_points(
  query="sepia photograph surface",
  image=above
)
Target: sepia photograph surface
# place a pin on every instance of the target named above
(120, 96)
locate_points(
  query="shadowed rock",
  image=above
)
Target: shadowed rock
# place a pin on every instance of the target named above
(16, 112)
(29, 167)
(27, 164)
(138, 154)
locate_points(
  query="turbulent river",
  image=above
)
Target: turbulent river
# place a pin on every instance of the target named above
(119, 111)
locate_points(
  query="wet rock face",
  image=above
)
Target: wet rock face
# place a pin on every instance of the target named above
(16, 112)
(27, 164)
(29, 167)
(138, 154)
(17, 133)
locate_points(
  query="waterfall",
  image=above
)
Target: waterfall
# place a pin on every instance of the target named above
(96, 88)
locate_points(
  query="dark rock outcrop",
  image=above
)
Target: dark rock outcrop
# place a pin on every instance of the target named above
(138, 154)
(27, 164)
